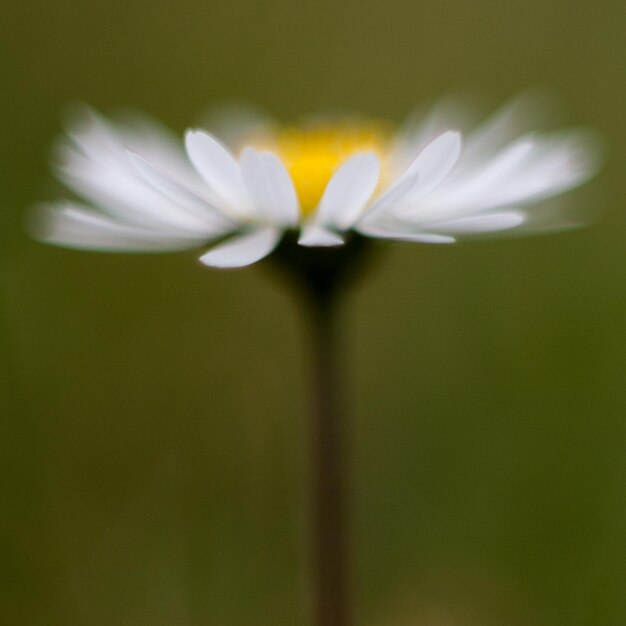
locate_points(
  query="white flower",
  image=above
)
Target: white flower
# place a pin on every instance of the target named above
(323, 180)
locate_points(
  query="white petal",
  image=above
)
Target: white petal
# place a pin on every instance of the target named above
(380, 232)
(93, 135)
(560, 164)
(390, 199)
(76, 226)
(270, 187)
(426, 238)
(501, 166)
(244, 249)
(511, 178)
(476, 190)
(428, 169)
(425, 125)
(315, 235)
(116, 188)
(515, 117)
(93, 161)
(347, 192)
(489, 223)
(434, 163)
(219, 168)
(204, 215)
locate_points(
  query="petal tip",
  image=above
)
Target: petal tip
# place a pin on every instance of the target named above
(316, 236)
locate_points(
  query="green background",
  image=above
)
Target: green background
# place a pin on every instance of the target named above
(153, 450)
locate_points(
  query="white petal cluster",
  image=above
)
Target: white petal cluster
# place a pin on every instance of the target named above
(143, 192)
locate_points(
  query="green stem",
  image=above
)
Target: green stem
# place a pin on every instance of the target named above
(320, 277)
(331, 544)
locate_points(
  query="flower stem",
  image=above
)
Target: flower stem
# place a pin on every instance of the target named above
(320, 277)
(331, 545)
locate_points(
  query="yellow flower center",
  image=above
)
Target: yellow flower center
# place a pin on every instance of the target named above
(313, 153)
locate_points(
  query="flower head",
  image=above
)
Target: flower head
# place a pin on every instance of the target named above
(323, 180)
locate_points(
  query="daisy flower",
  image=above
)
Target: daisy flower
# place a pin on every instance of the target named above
(324, 181)
(293, 192)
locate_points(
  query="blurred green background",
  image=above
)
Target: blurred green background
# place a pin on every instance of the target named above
(153, 446)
